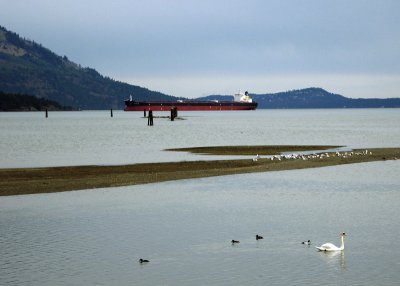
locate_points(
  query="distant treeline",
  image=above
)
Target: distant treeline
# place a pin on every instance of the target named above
(313, 98)
(23, 102)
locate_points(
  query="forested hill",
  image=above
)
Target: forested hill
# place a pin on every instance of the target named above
(28, 68)
(313, 98)
(22, 102)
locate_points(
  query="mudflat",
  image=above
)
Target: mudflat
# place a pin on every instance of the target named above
(252, 149)
(58, 179)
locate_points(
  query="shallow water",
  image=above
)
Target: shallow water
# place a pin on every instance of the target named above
(185, 227)
(96, 237)
(86, 138)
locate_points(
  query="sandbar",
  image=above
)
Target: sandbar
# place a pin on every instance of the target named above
(21, 181)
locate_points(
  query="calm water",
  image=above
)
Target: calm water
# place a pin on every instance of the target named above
(79, 138)
(95, 237)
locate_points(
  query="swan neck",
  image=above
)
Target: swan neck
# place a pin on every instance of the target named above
(342, 242)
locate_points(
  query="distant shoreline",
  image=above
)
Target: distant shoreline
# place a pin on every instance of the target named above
(59, 179)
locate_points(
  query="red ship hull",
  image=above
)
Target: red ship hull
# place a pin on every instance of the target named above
(189, 105)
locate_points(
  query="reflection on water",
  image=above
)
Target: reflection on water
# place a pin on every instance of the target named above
(334, 259)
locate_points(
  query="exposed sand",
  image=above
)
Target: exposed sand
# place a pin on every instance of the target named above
(59, 179)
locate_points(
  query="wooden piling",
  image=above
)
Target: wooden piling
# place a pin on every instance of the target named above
(47, 113)
(111, 112)
(144, 113)
(174, 113)
(150, 118)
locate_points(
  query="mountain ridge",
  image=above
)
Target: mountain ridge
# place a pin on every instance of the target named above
(29, 68)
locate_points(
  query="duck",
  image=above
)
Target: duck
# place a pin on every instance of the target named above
(331, 247)
(259, 237)
(143, 261)
(307, 242)
(235, 241)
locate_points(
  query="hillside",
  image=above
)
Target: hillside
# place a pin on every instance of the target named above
(312, 98)
(21, 102)
(28, 68)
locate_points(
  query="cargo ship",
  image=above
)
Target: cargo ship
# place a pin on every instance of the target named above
(240, 102)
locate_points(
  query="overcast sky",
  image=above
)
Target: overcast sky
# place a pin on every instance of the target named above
(196, 48)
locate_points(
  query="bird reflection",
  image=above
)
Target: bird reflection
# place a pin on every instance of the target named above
(334, 258)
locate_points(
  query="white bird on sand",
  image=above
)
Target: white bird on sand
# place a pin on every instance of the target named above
(331, 247)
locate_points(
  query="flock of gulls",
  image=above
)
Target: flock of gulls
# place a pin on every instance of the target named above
(315, 155)
(326, 247)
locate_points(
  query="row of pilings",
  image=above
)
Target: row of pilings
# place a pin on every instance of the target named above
(150, 121)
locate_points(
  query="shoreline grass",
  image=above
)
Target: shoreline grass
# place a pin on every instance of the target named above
(58, 179)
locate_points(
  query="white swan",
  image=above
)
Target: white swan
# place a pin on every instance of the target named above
(331, 247)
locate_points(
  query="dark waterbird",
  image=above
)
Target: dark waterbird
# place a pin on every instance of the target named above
(143, 261)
